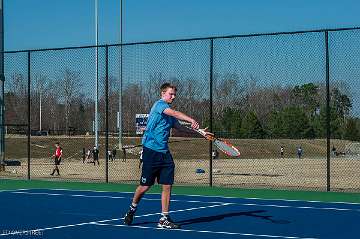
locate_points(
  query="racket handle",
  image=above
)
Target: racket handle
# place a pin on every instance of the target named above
(205, 134)
(201, 131)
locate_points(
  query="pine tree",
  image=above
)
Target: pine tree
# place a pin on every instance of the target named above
(251, 126)
(352, 131)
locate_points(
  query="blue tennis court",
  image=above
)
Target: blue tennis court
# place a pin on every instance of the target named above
(60, 213)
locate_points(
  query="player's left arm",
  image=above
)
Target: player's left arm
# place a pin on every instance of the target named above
(181, 116)
(182, 128)
(177, 125)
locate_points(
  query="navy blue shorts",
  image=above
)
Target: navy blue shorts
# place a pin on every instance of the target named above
(157, 165)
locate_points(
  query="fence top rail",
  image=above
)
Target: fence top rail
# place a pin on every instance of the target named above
(189, 39)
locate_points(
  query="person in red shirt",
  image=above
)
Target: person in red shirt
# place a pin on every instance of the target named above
(57, 156)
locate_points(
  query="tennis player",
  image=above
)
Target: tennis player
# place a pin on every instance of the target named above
(157, 160)
(57, 157)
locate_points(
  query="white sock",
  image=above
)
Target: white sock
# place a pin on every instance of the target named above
(133, 207)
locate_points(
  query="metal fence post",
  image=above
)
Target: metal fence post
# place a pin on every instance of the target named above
(211, 111)
(107, 113)
(328, 116)
(28, 115)
(2, 90)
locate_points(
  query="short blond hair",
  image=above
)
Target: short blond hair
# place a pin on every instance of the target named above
(167, 85)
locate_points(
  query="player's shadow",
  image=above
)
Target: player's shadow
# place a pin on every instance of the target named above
(233, 214)
(225, 215)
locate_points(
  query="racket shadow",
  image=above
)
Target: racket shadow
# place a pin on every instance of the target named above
(220, 217)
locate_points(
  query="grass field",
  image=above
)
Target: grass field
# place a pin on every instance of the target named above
(188, 148)
(259, 165)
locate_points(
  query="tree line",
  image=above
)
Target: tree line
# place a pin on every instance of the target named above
(294, 112)
(242, 107)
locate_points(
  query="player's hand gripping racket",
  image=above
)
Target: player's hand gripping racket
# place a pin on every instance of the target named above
(223, 145)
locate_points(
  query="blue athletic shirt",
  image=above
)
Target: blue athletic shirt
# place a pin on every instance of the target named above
(158, 128)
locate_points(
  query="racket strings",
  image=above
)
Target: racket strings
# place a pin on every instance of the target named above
(226, 148)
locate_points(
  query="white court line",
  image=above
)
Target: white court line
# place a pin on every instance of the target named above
(6, 191)
(70, 195)
(111, 197)
(278, 199)
(13, 190)
(102, 221)
(175, 200)
(204, 196)
(299, 207)
(211, 232)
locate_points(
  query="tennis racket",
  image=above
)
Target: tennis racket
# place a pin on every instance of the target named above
(223, 145)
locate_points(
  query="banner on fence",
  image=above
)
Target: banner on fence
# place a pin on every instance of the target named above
(141, 121)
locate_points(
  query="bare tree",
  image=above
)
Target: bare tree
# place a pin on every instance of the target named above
(228, 92)
(151, 89)
(113, 102)
(191, 97)
(70, 84)
(15, 99)
(133, 104)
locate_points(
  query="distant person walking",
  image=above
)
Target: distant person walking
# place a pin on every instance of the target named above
(215, 154)
(299, 152)
(57, 157)
(333, 150)
(83, 155)
(282, 152)
(114, 153)
(88, 156)
(96, 155)
(124, 155)
(110, 155)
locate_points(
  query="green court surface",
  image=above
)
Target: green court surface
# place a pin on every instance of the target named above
(9, 184)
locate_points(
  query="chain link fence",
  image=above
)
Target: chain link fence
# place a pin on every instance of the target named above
(288, 101)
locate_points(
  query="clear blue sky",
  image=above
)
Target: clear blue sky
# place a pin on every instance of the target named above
(35, 24)
(31, 24)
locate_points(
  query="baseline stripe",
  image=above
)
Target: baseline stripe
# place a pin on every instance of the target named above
(112, 197)
(204, 196)
(176, 200)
